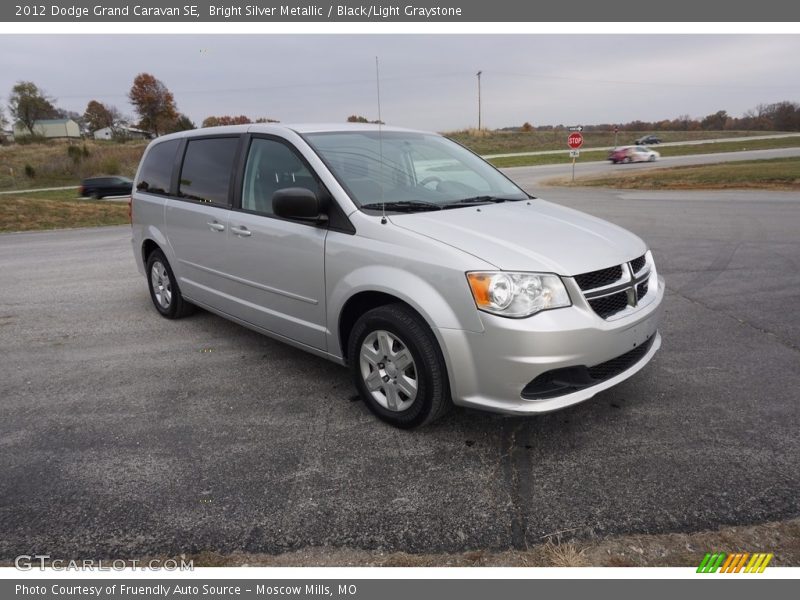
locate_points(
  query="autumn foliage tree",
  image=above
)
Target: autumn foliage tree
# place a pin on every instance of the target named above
(28, 104)
(229, 120)
(154, 104)
(226, 120)
(98, 116)
(360, 119)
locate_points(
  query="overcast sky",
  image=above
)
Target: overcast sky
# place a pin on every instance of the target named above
(427, 81)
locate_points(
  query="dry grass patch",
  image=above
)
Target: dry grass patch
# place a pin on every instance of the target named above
(661, 550)
(57, 210)
(26, 166)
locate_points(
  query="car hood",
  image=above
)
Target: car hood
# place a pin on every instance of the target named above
(530, 235)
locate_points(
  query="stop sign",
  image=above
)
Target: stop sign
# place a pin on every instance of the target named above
(575, 140)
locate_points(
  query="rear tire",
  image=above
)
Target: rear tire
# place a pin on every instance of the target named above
(398, 368)
(95, 195)
(164, 290)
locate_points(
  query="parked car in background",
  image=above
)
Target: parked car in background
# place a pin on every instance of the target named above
(100, 187)
(647, 139)
(627, 154)
(399, 253)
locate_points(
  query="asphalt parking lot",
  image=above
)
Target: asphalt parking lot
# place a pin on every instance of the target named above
(123, 434)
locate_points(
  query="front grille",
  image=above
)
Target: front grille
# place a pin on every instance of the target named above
(610, 305)
(638, 264)
(559, 382)
(611, 290)
(596, 279)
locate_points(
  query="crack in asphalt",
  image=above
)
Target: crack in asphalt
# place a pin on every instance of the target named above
(719, 265)
(517, 471)
(783, 342)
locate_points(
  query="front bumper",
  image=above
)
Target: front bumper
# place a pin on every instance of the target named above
(489, 370)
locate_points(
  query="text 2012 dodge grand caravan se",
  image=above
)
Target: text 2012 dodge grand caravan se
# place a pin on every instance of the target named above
(401, 254)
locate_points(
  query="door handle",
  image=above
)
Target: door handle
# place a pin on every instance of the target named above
(241, 231)
(216, 226)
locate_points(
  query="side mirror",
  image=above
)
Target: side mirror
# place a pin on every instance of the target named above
(298, 203)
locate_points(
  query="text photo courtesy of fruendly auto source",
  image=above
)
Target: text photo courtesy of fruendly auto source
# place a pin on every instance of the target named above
(304, 300)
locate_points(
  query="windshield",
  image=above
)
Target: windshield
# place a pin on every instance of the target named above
(418, 171)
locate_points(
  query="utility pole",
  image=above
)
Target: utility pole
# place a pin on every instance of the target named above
(479, 99)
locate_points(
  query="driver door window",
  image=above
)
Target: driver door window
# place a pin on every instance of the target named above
(272, 166)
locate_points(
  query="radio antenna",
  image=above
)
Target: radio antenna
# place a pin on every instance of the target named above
(380, 140)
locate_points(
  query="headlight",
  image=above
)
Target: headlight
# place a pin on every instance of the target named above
(517, 294)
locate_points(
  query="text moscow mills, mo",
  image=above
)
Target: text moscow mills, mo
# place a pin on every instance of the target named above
(170, 591)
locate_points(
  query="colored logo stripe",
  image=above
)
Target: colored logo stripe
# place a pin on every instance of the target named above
(711, 562)
(758, 563)
(734, 563)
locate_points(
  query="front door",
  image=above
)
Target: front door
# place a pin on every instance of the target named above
(277, 265)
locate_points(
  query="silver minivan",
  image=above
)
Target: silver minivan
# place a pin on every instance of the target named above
(401, 254)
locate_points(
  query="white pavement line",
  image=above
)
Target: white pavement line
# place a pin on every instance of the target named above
(49, 189)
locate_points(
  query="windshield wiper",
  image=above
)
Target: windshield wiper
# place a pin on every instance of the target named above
(478, 200)
(403, 205)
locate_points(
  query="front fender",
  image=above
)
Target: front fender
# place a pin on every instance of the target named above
(429, 301)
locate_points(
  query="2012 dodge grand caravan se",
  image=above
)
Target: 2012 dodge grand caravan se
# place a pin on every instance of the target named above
(400, 254)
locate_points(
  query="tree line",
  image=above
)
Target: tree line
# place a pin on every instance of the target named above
(158, 114)
(154, 104)
(779, 116)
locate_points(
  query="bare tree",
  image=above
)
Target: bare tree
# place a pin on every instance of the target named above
(28, 104)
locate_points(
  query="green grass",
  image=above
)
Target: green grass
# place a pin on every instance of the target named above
(553, 159)
(774, 174)
(502, 142)
(546, 159)
(57, 210)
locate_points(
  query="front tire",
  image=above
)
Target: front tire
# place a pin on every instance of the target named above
(164, 290)
(398, 368)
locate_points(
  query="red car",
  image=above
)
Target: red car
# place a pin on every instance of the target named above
(627, 154)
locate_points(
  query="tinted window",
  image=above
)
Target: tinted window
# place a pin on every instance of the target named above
(272, 166)
(156, 172)
(207, 170)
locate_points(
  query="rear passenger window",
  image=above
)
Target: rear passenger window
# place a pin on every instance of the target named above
(156, 173)
(272, 166)
(207, 170)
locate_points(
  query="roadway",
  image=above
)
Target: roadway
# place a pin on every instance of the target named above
(124, 434)
(774, 136)
(536, 175)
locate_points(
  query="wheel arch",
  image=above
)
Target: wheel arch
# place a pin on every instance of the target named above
(148, 246)
(360, 303)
